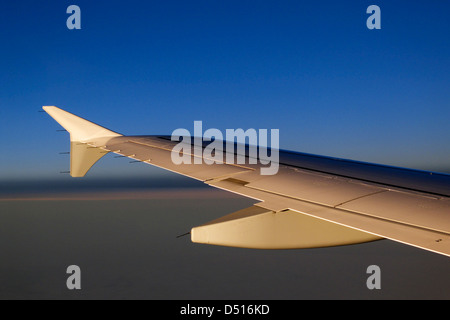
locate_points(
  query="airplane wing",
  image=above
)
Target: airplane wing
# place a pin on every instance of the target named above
(312, 201)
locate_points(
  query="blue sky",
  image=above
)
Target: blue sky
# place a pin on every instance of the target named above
(309, 68)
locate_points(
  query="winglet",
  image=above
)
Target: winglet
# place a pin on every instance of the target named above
(80, 129)
(82, 155)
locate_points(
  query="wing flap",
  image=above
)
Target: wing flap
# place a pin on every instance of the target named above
(408, 208)
(313, 187)
(385, 227)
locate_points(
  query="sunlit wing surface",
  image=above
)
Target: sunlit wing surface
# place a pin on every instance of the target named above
(312, 201)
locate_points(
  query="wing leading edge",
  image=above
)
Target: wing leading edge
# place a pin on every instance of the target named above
(312, 201)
